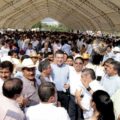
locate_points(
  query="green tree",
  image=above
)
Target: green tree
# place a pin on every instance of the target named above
(46, 27)
(37, 25)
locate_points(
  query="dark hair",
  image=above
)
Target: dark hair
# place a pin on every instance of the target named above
(49, 53)
(8, 65)
(29, 43)
(109, 46)
(74, 49)
(116, 66)
(65, 54)
(11, 52)
(46, 90)
(70, 57)
(59, 52)
(24, 57)
(91, 72)
(12, 87)
(43, 65)
(109, 60)
(119, 68)
(104, 105)
(40, 53)
(80, 58)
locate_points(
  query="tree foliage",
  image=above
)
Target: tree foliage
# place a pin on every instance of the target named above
(46, 27)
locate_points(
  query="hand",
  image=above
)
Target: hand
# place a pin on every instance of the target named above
(66, 86)
(78, 93)
(85, 83)
(78, 96)
(119, 117)
(22, 101)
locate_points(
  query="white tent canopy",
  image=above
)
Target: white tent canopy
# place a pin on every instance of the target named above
(103, 15)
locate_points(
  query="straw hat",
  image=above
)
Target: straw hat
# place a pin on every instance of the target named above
(85, 56)
(33, 54)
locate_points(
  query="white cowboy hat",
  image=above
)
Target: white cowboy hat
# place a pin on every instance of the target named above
(27, 63)
(6, 58)
(117, 49)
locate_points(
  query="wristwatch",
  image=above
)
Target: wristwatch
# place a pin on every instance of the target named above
(88, 88)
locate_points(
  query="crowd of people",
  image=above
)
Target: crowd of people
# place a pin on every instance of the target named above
(53, 75)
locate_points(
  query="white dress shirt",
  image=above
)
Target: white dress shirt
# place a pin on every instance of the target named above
(116, 102)
(85, 102)
(117, 57)
(74, 79)
(108, 55)
(1, 84)
(46, 111)
(10, 110)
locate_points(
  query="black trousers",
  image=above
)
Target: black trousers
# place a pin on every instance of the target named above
(63, 98)
(75, 112)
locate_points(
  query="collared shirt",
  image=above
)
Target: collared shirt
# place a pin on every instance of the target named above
(116, 100)
(1, 84)
(30, 92)
(29, 51)
(43, 50)
(117, 57)
(111, 83)
(66, 48)
(10, 110)
(35, 43)
(99, 70)
(108, 55)
(90, 65)
(74, 79)
(45, 79)
(46, 111)
(85, 102)
(60, 75)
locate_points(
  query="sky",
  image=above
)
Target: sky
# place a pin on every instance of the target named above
(50, 21)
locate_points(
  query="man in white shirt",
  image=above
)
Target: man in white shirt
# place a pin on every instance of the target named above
(35, 42)
(74, 78)
(5, 48)
(83, 96)
(109, 53)
(116, 100)
(6, 70)
(47, 109)
(9, 108)
(29, 49)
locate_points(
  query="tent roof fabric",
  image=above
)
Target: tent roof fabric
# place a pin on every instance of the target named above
(103, 15)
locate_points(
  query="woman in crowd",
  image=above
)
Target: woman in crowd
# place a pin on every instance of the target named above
(102, 106)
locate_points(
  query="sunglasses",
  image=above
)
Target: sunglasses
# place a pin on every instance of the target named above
(34, 57)
(78, 63)
(29, 69)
